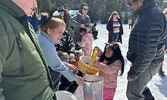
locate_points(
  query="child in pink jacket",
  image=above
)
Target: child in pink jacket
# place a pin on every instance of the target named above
(110, 62)
(86, 42)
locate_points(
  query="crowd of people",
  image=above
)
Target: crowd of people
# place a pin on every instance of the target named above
(42, 52)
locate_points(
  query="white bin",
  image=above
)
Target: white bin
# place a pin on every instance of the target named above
(65, 95)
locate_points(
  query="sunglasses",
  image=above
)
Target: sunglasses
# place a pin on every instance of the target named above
(114, 14)
(85, 9)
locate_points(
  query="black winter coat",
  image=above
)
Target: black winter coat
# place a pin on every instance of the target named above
(146, 39)
(66, 44)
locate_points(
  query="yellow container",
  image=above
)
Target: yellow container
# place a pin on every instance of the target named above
(86, 63)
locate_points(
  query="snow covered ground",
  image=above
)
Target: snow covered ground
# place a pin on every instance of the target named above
(157, 85)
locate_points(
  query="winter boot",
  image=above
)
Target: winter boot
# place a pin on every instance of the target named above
(160, 72)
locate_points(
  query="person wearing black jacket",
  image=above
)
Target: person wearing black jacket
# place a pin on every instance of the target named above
(145, 47)
(66, 44)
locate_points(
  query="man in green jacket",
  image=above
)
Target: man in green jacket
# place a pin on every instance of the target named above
(24, 74)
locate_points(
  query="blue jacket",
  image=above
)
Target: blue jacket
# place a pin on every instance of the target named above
(34, 22)
(50, 53)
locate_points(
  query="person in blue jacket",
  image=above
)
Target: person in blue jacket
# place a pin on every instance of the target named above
(51, 32)
(34, 20)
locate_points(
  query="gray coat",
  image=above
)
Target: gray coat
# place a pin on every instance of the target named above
(146, 39)
(76, 21)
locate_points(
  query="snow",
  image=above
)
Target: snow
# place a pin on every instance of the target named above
(157, 85)
(71, 12)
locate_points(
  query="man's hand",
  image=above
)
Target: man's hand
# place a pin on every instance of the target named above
(73, 68)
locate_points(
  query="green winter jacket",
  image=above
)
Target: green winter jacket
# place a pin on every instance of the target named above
(24, 73)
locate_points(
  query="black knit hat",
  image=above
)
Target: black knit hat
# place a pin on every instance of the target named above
(60, 8)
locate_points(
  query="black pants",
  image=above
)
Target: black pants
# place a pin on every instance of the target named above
(95, 33)
(56, 76)
(130, 26)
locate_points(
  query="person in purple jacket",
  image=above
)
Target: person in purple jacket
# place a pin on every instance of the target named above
(114, 27)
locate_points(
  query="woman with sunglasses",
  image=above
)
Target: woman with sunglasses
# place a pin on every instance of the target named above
(80, 20)
(114, 26)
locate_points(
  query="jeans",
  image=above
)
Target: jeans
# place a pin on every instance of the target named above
(137, 90)
(115, 37)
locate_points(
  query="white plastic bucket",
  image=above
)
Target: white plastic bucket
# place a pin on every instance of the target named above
(94, 87)
(65, 95)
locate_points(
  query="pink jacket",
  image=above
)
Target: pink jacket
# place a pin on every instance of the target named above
(109, 72)
(86, 44)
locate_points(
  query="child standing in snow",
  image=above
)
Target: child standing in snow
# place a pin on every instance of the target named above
(94, 31)
(86, 42)
(110, 62)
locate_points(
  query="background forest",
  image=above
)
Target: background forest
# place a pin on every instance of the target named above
(99, 10)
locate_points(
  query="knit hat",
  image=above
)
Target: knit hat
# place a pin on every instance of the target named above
(60, 8)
